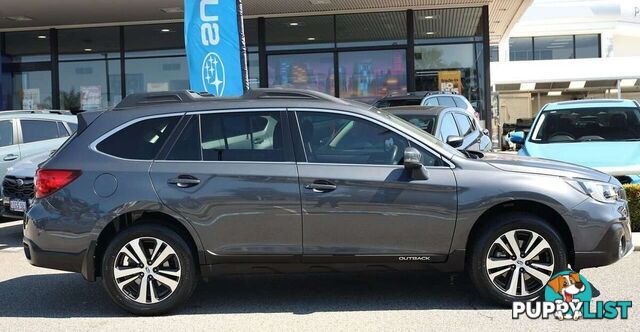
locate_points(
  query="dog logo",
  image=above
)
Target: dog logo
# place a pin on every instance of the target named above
(213, 77)
(569, 290)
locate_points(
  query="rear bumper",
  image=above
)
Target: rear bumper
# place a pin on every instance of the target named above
(72, 262)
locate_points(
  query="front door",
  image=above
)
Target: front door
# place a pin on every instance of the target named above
(357, 198)
(233, 176)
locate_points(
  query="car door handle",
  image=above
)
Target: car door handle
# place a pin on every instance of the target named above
(10, 157)
(321, 186)
(258, 140)
(184, 181)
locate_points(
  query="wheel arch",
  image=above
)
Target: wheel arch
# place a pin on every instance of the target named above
(550, 215)
(128, 219)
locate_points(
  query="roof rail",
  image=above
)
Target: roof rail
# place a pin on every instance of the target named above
(63, 112)
(149, 98)
(280, 93)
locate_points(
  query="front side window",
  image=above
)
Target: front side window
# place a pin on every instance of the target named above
(464, 124)
(6, 133)
(141, 140)
(448, 127)
(38, 130)
(239, 136)
(588, 124)
(341, 139)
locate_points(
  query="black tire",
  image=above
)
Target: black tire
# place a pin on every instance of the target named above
(477, 263)
(188, 279)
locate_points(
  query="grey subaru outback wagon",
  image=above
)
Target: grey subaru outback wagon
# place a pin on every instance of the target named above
(169, 187)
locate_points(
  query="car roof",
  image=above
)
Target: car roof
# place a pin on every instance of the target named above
(46, 115)
(590, 103)
(417, 110)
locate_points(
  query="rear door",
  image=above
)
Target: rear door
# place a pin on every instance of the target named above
(9, 148)
(232, 175)
(357, 198)
(39, 135)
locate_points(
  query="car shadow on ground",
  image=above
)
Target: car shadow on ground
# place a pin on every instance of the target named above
(66, 295)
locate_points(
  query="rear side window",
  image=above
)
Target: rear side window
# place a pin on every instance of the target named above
(62, 131)
(38, 130)
(464, 124)
(72, 126)
(446, 101)
(239, 136)
(141, 140)
(459, 102)
(6, 133)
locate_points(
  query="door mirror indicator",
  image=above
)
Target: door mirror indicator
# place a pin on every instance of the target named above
(455, 141)
(413, 163)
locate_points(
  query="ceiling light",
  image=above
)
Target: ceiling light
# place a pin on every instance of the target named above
(311, 38)
(554, 93)
(577, 84)
(42, 37)
(172, 10)
(294, 24)
(527, 86)
(165, 30)
(88, 49)
(19, 18)
(428, 17)
(628, 82)
(430, 33)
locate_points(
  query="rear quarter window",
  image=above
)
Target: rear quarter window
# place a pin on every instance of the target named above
(141, 140)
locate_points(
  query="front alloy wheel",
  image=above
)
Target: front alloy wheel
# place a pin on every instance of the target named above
(520, 262)
(147, 270)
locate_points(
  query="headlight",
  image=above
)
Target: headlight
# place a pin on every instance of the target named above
(600, 191)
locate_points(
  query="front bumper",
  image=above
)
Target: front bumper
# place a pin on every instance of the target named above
(614, 244)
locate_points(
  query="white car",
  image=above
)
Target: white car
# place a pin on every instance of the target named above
(17, 185)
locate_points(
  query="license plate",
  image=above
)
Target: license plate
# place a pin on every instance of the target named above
(17, 205)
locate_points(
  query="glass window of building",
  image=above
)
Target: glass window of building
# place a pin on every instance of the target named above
(26, 46)
(30, 90)
(553, 47)
(520, 49)
(302, 71)
(587, 46)
(369, 75)
(89, 68)
(154, 58)
(450, 68)
(285, 33)
(253, 67)
(371, 29)
(251, 34)
(494, 53)
(435, 24)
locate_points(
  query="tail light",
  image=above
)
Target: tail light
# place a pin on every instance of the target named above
(49, 181)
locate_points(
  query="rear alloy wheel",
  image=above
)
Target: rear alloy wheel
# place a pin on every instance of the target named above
(148, 269)
(514, 256)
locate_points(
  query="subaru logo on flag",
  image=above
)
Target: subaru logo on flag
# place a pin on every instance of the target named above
(213, 74)
(216, 53)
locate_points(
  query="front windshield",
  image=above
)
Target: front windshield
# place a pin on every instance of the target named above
(588, 124)
(420, 134)
(424, 122)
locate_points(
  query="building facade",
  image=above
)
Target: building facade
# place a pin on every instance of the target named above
(83, 57)
(567, 50)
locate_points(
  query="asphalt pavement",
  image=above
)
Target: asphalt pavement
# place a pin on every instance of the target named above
(33, 298)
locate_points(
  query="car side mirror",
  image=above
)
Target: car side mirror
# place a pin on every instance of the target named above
(455, 141)
(413, 163)
(517, 137)
(485, 131)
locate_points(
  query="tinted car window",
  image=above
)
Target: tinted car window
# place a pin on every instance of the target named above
(459, 102)
(242, 136)
(141, 140)
(464, 124)
(72, 126)
(187, 147)
(341, 139)
(431, 102)
(37, 130)
(6, 133)
(62, 131)
(448, 127)
(424, 122)
(446, 101)
(397, 102)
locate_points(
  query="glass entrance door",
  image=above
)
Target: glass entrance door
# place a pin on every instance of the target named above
(30, 90)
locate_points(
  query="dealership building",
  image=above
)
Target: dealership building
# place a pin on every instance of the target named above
(77, 54)
(567, 50)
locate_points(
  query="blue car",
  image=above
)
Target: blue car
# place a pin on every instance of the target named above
(601, 134)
